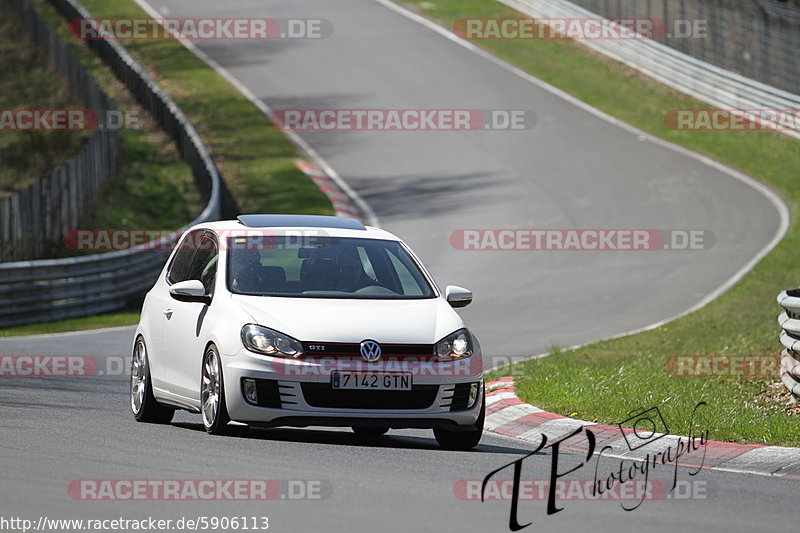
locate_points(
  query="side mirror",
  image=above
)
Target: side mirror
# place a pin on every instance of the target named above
(191, 290)
(457, 296)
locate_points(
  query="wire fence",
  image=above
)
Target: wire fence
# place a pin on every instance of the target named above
(34, 219)
(53, 289)
(759, 39)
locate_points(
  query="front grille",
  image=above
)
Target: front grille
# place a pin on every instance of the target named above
(323, 395)
(339, 349)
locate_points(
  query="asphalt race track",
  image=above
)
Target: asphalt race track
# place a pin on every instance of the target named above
(60, 429)
(572, 170)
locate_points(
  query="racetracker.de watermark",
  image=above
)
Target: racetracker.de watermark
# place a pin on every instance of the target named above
(312, 365)
(69, 366)
(191, 490)
(107, 240)
(141, 523)
(48, 366)
(578, 29)
(201, 28)
(66, 120)
(733, 119)
(581, 239)
(317, 120)
(578, 490)
(750, 366)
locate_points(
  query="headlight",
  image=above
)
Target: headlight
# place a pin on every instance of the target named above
(457, 345)
(270, 342)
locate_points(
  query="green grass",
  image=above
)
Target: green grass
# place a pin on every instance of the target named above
(156, 191)
(255, 158)
(604, 381)
(30, 82)
(153, 188)
(108, 320)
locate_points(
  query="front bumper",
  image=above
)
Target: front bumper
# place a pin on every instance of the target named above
(300, 393)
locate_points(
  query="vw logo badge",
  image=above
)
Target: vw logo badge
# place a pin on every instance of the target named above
(370, 351)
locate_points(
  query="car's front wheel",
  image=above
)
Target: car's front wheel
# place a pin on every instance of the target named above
(212, 394)
(144, 405)
(462, 440)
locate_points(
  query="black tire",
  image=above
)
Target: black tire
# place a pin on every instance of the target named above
(462, 440)
(144, 405)
(215, 423)
(370, 431)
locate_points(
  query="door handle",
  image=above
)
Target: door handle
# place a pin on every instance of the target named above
(168, 313)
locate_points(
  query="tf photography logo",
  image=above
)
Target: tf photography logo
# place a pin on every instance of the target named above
(612, 474)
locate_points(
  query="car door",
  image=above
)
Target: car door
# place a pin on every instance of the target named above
(159, 306)
(185, 323)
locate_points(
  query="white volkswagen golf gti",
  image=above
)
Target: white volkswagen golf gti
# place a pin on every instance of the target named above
(299, 320)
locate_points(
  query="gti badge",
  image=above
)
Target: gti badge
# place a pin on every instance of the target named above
(370, 351)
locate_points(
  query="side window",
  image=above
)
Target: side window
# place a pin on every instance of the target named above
(179, 268)
(204, 262)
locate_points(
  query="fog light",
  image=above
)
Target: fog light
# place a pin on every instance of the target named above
(250, 390)
(473, 394)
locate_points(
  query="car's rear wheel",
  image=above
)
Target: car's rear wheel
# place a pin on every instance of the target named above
(369, 431)
(462, 440)
(212, 394)
(144, 405)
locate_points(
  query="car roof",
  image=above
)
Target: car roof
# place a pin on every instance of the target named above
(299, 221)
(330, 225)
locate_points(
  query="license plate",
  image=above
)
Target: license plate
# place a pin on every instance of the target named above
(371, 381)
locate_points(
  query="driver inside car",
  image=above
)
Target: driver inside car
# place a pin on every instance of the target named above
(351, 271)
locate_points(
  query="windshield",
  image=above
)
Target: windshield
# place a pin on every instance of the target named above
(324, 267)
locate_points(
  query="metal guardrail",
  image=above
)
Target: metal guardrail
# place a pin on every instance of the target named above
(37, 217)
(700, 79)
(758, 39)
(53, 289)
(789, 321)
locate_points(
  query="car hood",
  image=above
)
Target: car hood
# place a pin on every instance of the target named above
(333, 320)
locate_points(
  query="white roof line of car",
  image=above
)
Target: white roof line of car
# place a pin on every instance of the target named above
(236, 228)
